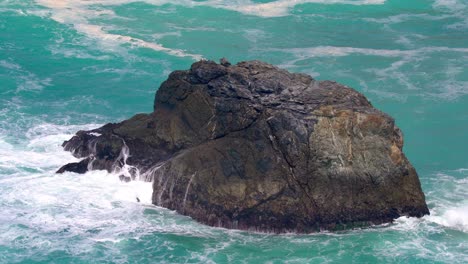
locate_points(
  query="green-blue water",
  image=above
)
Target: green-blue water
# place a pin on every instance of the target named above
(67, 65)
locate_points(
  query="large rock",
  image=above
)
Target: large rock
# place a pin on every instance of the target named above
(251, 146)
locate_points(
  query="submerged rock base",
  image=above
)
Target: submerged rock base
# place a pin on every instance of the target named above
(254, 147)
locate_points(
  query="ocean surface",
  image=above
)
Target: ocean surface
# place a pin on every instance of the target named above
(78, 64)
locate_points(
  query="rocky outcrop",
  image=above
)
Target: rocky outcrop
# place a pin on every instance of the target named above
(254, 147)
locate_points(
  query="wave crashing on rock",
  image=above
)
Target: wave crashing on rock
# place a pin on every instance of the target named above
(254, 147)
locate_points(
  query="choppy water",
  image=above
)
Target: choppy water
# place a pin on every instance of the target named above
(77, 64)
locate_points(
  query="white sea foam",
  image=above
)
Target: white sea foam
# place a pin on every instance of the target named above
(255, 35)
(79, 204)
(454, 5)
(455, 217)
(415, 231)
(457, 9)
(270, 9)
(282, 7)
(448, 200)
(26, 81)
(75, 53)
(9, 65)
(94, 208)
(78, 14)
(449, 88)
(41, 150)
(34, 197)
(453, 85)
(325, 51)
(395, 19)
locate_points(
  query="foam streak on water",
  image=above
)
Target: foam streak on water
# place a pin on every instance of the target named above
(270, 9)
(76, 14)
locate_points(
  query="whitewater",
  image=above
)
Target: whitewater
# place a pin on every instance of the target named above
(76, 65)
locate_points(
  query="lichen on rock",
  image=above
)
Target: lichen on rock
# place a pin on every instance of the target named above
(254, 147)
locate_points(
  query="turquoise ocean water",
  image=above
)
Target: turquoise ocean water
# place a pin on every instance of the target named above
(67, 65)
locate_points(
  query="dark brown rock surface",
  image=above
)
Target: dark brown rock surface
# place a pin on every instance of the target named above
(251, 146)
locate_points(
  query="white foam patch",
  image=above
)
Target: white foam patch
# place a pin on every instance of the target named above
(282, 7)
(453, 86)
(42, 210)
(448, 200)
(449, 88)
(455, 217)
(25, 80)
(255, 35)
(453, 5)
(78, 14)
(75, 53)
(9, 65)
(333, 51)
(395, 71)
(271, 9)
(42, 150)
(97, 203)
(463, 24)
(457, 9)
(395, 19)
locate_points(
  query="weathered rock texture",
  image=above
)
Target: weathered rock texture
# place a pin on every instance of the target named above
(251, 146)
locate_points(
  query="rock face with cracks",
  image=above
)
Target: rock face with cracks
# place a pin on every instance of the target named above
(254, 147)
